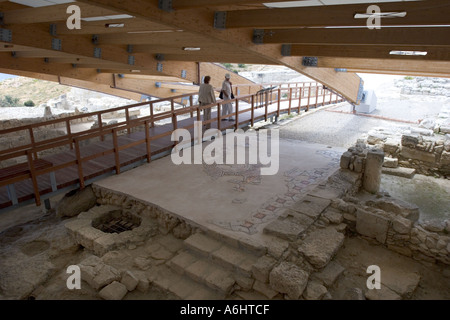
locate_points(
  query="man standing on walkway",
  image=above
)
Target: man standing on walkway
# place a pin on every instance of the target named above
(227, 108)
(206, 96)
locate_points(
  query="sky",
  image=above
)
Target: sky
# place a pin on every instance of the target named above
(4, 76)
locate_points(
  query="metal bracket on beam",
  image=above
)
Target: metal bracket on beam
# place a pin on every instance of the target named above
(286, 50)
(95, 39)
(74, 65)
(220, 20)
(130, 48)
(46, 60)
(159, 67)
(158, 84)
(310, 61)
(99, 70)
(159, 57)
(340, 69)
(258, 36)
(98, 53)
(183, 74)
(13, 54)
(165, 5)
(2, 18)
(5, 35)
(56, 44)
(120, 75)
(131, 60)
(53, 30)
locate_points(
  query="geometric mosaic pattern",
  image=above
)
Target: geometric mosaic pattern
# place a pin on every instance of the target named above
(298, 182)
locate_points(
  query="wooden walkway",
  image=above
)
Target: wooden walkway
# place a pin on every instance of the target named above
(115, 152)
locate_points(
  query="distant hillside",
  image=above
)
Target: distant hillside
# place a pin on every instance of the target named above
(38, 91)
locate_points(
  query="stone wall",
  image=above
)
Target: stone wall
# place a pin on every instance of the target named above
(424, 86)
(394, 224)
(428, 154)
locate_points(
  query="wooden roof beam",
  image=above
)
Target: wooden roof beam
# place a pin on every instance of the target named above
(433, 12)
(433, 36)
(199, 21)
(368, 51)
(436, 67)
(53, 13)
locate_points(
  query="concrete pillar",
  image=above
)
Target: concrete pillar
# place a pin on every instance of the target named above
(372, 172)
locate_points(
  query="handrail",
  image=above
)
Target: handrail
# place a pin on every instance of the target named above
(268, 97)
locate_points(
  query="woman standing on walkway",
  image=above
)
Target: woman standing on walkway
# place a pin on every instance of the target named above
(227, 108)
(206, 96)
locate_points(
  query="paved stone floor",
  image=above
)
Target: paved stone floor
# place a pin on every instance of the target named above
(232, 199)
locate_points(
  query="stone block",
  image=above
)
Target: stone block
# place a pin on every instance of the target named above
(311, 206)
(414, 154)
(320, 246)
(345, 160)
(410, 141)
(402, 225)
(405, 209)
(400, 172)
(105, 276)
(391, 146)
(202, 244)
(390, 162)
(288, 278)
(286, 229)
(75, 202)
(264, 289)
(372, 225)
(330, 273)
(87, 235)
(113, 291)
(129, 280)
(314, 291)
(104, 244)
(261, 269)
(445, 158)
(220, 280)
(143, 282)
(334, 216)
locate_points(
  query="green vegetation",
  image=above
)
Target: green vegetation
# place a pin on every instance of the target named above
(9, 101)
(409, 78)
(241, 65)
(228, 65)
(29, 103)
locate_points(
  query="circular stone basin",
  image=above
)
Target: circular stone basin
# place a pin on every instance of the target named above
(116, 221)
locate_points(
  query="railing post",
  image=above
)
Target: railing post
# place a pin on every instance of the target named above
(290, 100)
(299, 99)
(253, 111)
(191, 103)
(279, 102)
(127, 116)
(267, 104)
(236, 125)
(100, 126)
(147, 142)
(198, 114)
(32, 140)
(309, 97)
(116, 151)
(219, 117)
(79, 162)
(37, 196)
(323, 95)
(317, 95)
(69, 133)
(151, 113)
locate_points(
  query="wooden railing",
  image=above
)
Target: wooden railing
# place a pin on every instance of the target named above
(293, 95)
